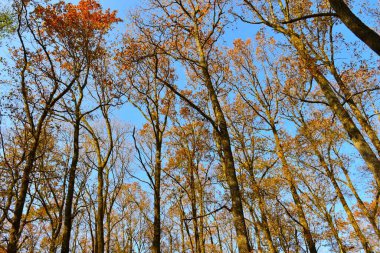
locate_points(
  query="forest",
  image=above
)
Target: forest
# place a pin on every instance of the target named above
(190, 126)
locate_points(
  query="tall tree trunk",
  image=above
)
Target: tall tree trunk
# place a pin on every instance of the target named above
(263, 210)
(182, 221)
(362, 31)
(342, 248)
(15, 232)
(170, 242)
(258, 240)
(363, 121)
(54, 237)
(220, 243)
(265, 225)
(349, 213)
(224, 146)
(293, 190)
(183, 216)
(156, 246)
(352, 130)
(53, 245)
(68, 219)
(338, 191)
(108, 242)
(363, 208)
(100, 212)
(232, 181)
(202, 220)
(193, 201)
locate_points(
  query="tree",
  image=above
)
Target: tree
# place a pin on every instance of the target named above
(36, 120)
(154, 100)
(306, 54)
(265, 143)
(362, 31)
(267, 106)
(61, 62)
(188, 32)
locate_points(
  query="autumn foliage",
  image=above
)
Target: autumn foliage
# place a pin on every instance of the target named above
(206, 126)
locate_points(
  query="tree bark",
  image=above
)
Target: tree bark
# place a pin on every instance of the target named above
(193, 200)
(363, 208)
(20, 201)
(293, 189)
(68, 219)
(338, 191)
(156, 244)
(349, 125)
(363, 121)
(263, 210)
(100, 212)
(362, 31)
(224, 146)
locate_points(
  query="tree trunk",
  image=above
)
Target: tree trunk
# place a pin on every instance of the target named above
(232, 181)
(202, 221)
(363, 121)
(193, 200)
(182, 221)
(363, 208)
(219, 239)
(264, 225)
(67, 221)
(100, 213)
(108, 242)
(339, 193)
(54, 237)
(156, 245)
(223, 140)
(293, 189)
(342, 248)
(363, 32)
(349, 213)
(15, 232)
(353, 132)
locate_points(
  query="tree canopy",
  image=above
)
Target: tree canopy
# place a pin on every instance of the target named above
(190, 126)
